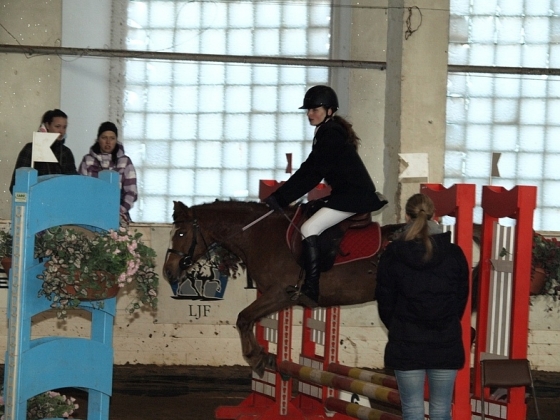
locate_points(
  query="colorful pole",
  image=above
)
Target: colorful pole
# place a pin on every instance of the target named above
(364, 375)
(321, 377)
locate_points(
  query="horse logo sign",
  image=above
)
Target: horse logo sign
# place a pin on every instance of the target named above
(207, 283)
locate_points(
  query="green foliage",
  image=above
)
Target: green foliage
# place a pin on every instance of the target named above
(5, 244)
(95, 262)
(48, 405)
(546, 254)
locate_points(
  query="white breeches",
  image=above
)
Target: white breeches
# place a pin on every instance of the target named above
(322, 220)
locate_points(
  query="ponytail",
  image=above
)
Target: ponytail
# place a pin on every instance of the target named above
(420, 209)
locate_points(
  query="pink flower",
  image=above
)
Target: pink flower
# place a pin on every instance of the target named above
(132, 247)
(122, 278)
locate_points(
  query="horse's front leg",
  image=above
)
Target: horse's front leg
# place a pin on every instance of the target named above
(273, 300)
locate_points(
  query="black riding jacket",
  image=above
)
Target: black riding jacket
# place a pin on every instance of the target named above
(335, 160)
(421, 304)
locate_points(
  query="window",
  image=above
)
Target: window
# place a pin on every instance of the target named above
(197, 131)
(512, 114)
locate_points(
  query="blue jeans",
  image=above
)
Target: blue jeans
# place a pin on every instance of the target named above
(411, 390)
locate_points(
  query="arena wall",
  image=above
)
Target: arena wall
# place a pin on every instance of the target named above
(195, 332)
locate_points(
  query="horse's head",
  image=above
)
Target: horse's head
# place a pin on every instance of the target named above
(186, 246)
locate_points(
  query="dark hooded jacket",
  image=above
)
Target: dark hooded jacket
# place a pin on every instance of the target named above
(65, 161)
(421, 304)
(334, 159)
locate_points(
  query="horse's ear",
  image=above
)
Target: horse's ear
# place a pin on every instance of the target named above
(180, 209)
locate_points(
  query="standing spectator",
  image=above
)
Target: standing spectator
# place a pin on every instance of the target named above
(53, 121)
(108, 153)
(422, 291)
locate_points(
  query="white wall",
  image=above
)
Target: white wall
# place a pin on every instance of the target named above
(194, 332)
(84, 85)
(30, 85)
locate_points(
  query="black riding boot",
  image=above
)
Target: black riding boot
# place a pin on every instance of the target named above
(310, 288)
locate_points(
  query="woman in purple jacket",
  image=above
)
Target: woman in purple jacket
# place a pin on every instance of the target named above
(108, 153)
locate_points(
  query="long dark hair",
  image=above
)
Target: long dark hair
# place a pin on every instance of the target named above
(353, 138)
(420, 209)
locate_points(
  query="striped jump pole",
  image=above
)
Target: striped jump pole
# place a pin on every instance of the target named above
(364, 375)
(270, 398)
(321, 377)
(358, 411)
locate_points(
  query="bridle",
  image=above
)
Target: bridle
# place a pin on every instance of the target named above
(187, 259)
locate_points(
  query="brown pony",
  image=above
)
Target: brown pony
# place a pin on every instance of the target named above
(269, 262)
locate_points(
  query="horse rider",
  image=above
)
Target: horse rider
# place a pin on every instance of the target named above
(334, 159)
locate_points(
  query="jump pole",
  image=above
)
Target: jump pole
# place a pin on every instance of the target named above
(364, 375)
(271, 395)
(319, 354)
(332, 380)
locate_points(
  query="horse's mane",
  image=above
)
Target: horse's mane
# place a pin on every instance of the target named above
(234, 207)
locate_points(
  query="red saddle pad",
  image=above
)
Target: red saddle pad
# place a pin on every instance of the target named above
(358, 244)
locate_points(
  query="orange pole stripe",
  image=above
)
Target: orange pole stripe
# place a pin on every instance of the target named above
(332, 380)
(364, 375)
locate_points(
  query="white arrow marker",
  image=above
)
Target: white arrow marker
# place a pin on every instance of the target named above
(413, 165)
(42, 147)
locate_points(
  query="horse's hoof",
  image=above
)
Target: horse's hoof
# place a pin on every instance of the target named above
(285, 377)
(271, 361)
(259, 369)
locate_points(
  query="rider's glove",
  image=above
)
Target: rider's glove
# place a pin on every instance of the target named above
(272, 203)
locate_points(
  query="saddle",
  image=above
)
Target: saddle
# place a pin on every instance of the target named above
(355, 238)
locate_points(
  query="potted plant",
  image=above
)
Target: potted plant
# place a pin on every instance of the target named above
(546, 257)
(94, 266)
(6, 250)
(48, 405)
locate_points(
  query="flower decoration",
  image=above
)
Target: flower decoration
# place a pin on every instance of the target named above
(546, 254)
(82, 262)
(5, 244)
(47, 405)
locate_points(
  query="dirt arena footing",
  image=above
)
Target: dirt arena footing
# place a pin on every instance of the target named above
(194, 392)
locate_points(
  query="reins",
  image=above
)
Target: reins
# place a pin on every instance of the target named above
(187, 259)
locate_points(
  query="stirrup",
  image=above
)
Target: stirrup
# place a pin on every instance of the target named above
(307, 301)
(293, 292)
(296, 295)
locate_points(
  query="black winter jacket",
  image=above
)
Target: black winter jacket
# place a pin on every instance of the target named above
(65, 165)
(335, 160)
(421, 304)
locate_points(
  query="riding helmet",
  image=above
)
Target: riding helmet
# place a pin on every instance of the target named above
(320, 95)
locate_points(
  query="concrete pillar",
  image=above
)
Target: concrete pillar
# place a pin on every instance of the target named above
(30, 85)
(415, 95)
(360, 33)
